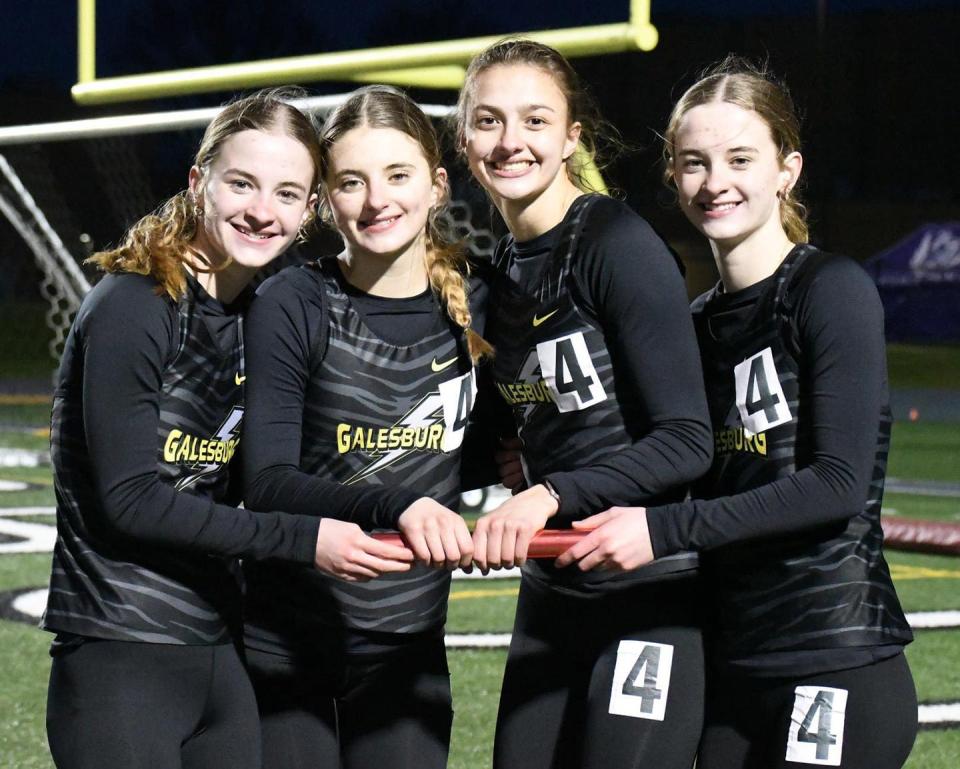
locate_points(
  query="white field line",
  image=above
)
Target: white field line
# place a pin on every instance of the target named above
(922, 620)
(477, 641)
(31, 537)
(19, 512)
(33, 603)
(944, 713)
(23, 458)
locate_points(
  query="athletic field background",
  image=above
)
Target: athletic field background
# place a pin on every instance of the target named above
(924, 482)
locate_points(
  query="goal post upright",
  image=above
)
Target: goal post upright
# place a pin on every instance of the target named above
(86, 41)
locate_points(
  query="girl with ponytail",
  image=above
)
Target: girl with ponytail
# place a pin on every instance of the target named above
(596, 358)
(806, 662)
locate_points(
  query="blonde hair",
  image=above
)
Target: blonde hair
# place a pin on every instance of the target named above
(159, 244)
(742, 83)
(599, 140)
(381, 106)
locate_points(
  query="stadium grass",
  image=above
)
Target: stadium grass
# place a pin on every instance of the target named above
(23, 696)
(935, 367)
(935, 661)
(475, 677)
(485, 607)
(925, 583)
(924, 450)
(29, 498)
(24, 333)
(34, 440)
(24, 411)
(922, 507)
(935, 749)
(40, 493)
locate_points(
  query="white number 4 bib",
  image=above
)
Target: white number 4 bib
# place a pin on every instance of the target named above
(641, 680)
(457, 396)
(760, 398)
(816, 726)
(568, 370)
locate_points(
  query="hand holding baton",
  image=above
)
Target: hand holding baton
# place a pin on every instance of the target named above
(546, 543)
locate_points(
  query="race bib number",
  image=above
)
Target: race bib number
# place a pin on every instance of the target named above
(641, 680)
(816, 726)
(760, 398)
(567, 368)
(457, 396)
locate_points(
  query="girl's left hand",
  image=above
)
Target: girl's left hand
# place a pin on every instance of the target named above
(620, 541)
(510, 465)
(502, 536)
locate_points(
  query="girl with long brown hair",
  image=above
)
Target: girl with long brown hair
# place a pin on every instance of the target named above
(597, 360)
(147, 415)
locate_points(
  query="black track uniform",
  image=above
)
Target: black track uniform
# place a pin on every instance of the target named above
(146, 417)
(788, 524)
(596, 356)
(358, 408)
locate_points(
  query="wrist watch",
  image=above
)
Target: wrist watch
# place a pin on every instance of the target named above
(551, 491)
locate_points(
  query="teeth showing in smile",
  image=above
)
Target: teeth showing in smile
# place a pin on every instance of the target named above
(378, 224)
(513, 165)
(719, 206)
(253, 235)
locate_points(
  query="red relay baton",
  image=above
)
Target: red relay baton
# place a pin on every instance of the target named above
(546, 543)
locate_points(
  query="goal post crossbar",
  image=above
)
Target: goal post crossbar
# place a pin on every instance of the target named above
(157, 122)
(425, 64)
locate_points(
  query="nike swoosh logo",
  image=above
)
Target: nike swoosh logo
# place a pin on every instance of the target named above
(537, 321)
(239, 379)
(438, 367)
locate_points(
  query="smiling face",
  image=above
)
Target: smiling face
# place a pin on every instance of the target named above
(728, 175)
(254, 195)
(380, 190)
(517, 136)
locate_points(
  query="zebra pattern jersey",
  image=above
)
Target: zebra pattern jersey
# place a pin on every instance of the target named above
(146, 417)
(554, 368)
(792, 599)
(378, 414)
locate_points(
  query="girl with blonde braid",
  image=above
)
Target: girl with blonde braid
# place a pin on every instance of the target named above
(361, 384)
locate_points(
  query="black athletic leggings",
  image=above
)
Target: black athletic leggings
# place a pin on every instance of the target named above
(389, 710)
(596, 682)
(861, 718)
(151, 706)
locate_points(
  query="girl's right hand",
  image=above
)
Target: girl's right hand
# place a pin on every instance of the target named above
(345, 551)
(438, 536)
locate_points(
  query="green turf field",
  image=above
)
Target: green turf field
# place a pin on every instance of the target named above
(921, 451)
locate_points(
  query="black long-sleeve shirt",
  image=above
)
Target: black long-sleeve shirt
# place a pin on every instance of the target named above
(840, 322)
(147, 414)
(625, 278)
(286, 336)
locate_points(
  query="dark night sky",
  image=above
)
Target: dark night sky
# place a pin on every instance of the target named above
(877, 80)
(38, 39)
